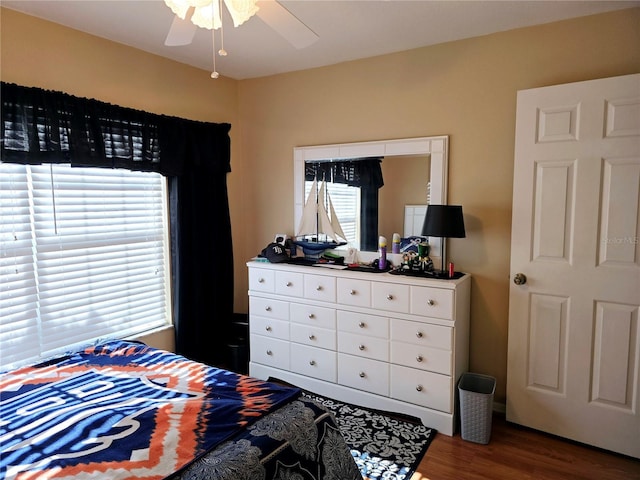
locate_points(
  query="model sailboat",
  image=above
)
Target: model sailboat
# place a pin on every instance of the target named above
(319, 230)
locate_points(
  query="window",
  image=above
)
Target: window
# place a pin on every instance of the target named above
(83, 255)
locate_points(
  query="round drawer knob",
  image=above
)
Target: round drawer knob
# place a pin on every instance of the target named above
(362, 374)
(319, 287)
(311, 315)
(361, 347)
(419, 334)
(269, 352)
(419, 358)
(352, 292)
(268, 309)
(261, 280)
(268, 329)
(288, 284)
(312, 337)
(419, 388)
(312, 362)
(362, 324)
(431, 303)
(389, 297)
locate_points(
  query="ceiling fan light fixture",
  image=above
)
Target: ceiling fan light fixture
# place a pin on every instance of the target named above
(241, 10)
(179, 7)
(207, 13)
(208, 16)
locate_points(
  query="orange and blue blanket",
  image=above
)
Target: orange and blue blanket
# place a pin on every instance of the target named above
(123, 410)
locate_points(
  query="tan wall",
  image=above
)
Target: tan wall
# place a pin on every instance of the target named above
(464, 89)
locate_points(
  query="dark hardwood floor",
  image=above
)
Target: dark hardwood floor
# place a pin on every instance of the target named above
(516, 452)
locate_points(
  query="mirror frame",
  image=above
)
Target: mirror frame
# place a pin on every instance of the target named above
(436, 147)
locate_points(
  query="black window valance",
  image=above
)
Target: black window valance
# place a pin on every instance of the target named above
(43, 126)
(357, 172)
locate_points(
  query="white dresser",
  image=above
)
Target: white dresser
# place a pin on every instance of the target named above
(389, 342)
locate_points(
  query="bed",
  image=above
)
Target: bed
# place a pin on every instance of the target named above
(123, 410)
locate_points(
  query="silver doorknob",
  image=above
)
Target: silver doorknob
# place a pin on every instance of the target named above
(520, 279)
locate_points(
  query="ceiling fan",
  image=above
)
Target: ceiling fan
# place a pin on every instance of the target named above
(192, 14)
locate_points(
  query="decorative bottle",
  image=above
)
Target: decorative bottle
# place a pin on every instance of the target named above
(395, 243)
(382, 248)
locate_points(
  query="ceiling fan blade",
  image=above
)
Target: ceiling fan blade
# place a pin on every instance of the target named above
(181, 32)
(286, 24)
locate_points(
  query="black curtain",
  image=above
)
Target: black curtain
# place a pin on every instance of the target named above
(42, 126)
(365, 173)
(202, 249)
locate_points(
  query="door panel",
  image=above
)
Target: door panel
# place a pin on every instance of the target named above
(554, 202)
(614, 355)
(547, 343)
(573, 355)
(620, 219)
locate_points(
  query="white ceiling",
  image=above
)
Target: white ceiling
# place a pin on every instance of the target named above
(347, 30)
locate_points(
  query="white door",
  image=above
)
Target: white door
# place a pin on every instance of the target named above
(574, 354)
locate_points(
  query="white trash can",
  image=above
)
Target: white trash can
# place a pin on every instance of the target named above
(476, 406)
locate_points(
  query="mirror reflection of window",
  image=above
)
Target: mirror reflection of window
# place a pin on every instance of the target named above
(363, 174)
(346, 202)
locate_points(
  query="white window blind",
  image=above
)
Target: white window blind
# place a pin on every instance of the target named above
(83, 255)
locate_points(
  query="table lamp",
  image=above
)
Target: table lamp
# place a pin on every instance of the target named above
(444, 221)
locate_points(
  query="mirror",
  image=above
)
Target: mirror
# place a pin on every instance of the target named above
(393, 152)
(406, 185)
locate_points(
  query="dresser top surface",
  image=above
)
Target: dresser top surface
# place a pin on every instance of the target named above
(361, 275)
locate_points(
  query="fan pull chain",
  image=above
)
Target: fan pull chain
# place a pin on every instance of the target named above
(222, 52)
(215, 73)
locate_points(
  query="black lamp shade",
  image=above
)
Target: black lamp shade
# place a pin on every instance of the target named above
(444, 221)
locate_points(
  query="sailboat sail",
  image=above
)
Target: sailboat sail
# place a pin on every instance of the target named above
(315, 219)
(335, 224)
(309, 221)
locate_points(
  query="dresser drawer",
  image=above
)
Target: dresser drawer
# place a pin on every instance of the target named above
(267, 307)
(423, 358)
(320, 287)
(432, 302)
(269, 351)
(312, 315)
(313, 336)
(262, 280)
(393, 297)
(428, 389)
(314, 362)
(269, 327)
(354, 292)
(363, 374)
(289, 283)
(364, 324)
(363, 346)
(427, 334)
